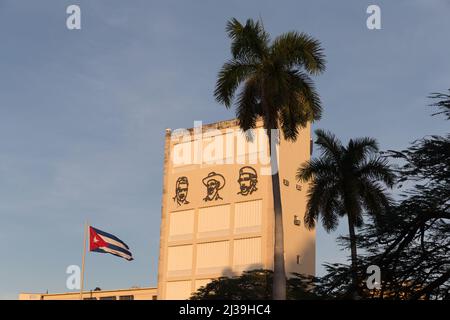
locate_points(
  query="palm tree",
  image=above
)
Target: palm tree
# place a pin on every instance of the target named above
(270, 79)
(346, 181)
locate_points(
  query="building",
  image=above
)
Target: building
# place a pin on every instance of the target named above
(121, 294)
(217, 209)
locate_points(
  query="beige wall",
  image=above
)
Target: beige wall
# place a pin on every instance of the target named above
(137, 293)
(202, 240)
(298, 240)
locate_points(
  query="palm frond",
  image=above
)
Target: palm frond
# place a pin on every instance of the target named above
(359, 149)
(249, 41)
(377, 168)
(308, 99)
(322, 199)
(299, 50)
(443, 103)
(300, 103)
(329, 145)
(317, 168)
(232, 74)
(248, 107)
(289, 123)
(330, 212)
(352, 206)
(374, 198)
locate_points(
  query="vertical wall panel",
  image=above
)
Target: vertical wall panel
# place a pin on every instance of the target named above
(178, 290)
(201, 283)
(179, 260)
(212, 257)
(214, 221)
(181, 225)
(248, 216)
(247, 253)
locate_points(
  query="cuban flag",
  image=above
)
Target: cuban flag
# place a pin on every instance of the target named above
(101, 241)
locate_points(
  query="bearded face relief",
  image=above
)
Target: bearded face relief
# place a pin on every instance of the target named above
(248, 180)
(213, 183)
(181, 191)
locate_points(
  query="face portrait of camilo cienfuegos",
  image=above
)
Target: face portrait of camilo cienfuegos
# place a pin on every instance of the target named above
(247, 181)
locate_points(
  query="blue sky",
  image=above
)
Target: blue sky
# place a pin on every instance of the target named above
(83, 113)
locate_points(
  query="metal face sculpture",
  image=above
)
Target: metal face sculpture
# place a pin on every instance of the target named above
(248, 180)
(213, 183)
(181, 191)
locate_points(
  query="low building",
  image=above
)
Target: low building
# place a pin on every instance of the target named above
(121, 294)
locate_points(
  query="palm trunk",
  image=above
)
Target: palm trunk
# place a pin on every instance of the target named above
(279, 274)
(354, 269)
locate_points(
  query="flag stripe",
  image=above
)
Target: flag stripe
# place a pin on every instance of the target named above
(117, 253)
(113, 248)
(113, 252)
(114, 242)
(103, 233)
(116, 248)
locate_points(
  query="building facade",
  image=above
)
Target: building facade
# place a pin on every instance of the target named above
(217, 208)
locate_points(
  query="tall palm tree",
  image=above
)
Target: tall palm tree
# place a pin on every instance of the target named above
(346, 181)
(270, 79)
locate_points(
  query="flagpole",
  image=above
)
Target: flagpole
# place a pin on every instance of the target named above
(84, 257)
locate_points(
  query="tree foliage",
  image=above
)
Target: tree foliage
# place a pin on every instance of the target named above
(346, 181)
(255, 285)
(410, 242)
(271, 79)
(407, 239)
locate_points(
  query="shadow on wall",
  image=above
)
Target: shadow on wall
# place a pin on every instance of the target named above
(238, 270)
(305, 261)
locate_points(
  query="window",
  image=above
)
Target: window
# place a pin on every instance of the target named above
(108, 298)
(90, 298)
(130, 297)
(154, 297)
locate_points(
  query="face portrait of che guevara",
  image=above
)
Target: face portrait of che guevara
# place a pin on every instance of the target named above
(181, 191)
